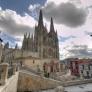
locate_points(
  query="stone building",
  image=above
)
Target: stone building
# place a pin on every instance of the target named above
(81, 67)
(42, 41)
(8, 54)
(39, 48)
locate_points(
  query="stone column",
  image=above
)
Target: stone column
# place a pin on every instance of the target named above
(59, 67)
(4, 73)
(14, 68)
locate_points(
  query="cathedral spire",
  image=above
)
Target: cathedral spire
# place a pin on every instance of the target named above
(6, 45)
(51, 25)
(16, 46)
(40, 22)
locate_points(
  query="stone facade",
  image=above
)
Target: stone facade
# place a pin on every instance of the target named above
(42, 47)
(36, 64)
(8, 54)
(52, 67)
(28, 58)
(42, 41)
(31, 82)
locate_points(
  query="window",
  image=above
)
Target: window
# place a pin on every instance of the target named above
(89, 67)
(83, 67)
(87, 74)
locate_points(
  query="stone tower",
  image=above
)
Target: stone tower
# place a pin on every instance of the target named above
(42, 41)
(25, 42)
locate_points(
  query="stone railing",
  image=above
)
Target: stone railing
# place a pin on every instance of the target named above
(6, 72)
(3, 73)
(11, 84)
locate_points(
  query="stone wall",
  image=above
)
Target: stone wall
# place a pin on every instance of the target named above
(11, 84)
(33, 63)
(30, 82)
(8, 78)
(3, 73)
(23, 53)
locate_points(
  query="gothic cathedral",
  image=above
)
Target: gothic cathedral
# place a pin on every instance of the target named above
(43, 42)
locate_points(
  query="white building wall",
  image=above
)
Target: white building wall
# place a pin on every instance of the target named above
(85, 70)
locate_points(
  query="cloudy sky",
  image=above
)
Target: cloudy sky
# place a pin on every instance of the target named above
(72, 20)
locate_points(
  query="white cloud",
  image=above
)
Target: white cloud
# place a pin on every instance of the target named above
(34, 10)
(86, 3)
(19, 41)
(81, 51)
(14, 23)
(81, 38)
(65, 13)
(57, 1)
(0, 8)
(33, 7)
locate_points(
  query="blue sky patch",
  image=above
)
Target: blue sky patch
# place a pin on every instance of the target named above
(20, 6)
(8, 38)
(63, 39)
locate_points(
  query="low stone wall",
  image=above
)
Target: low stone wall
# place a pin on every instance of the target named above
(30, 82)
(3, 73)
(76, 82)
(11, 84)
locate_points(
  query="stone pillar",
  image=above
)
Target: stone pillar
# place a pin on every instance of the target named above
(59, 67)
(17, 67)
(14, 68)
(4, 73)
